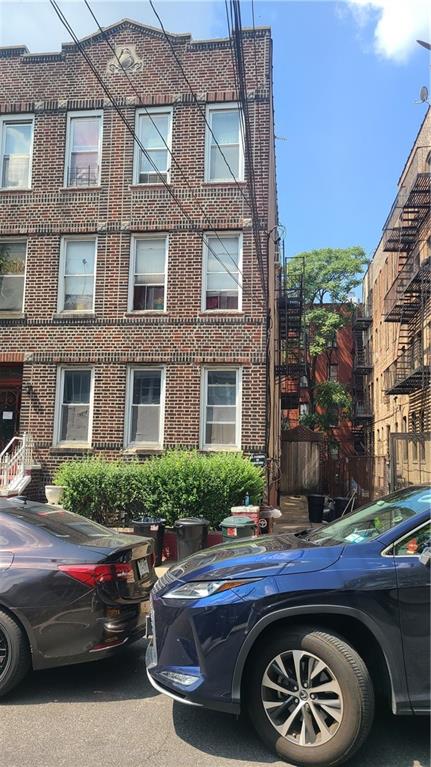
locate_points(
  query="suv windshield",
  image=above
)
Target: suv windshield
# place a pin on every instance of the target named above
(375, 518)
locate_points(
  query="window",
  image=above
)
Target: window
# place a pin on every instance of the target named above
(414, 439)
(154, 130)
(222, 267)
(16, 138)
(147, 287)
(12, 275)
(221, 416)
(144, 423)
(83, 149)
(74, 406)
(224, 152)
(333, 371)
(414, 543)
(77, 274)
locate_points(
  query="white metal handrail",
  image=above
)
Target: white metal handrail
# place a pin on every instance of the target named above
(15, 459)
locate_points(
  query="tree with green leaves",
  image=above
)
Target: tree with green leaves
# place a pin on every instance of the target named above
(328, 276)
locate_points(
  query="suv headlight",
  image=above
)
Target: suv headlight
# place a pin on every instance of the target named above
(201, 589)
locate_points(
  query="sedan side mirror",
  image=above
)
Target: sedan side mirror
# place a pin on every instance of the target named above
(425, 557)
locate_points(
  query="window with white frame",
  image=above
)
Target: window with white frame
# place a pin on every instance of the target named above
(83, 148)
(147, 291)
(16, 145)
(74, 406)
(144, 423)
(221, 409)
(224, 151)
(222, 272)
(12, 275)
(154, 130)
(77, 274)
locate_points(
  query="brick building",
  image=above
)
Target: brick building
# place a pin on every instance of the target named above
(129, 323)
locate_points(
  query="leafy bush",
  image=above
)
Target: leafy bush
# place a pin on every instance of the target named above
(177, 484)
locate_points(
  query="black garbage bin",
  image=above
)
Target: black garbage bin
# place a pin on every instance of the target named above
(340, 503)
(315, 507)
(192, 535)
(152, 527)
(238, 527)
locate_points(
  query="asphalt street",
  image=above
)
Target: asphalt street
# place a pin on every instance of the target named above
(107, 714)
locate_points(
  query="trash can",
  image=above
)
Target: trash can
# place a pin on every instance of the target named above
(267, 515)
(192, 535)
(238, 527)
(315, 507)
(152, 527)
(340, 503)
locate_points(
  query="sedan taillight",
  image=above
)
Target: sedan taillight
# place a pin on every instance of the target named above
(93, 575)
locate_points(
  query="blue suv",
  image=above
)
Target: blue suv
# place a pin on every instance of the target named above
(303, 630)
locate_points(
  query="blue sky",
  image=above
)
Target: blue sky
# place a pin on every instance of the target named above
(347, 75)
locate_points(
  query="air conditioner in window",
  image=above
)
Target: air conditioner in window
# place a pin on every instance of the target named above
(152, 178)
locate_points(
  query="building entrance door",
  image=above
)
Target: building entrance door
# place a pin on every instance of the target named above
(10, 402)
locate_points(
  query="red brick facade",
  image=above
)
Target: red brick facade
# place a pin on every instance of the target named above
(183, 338)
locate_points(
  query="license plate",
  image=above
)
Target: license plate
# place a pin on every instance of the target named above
(142, 568)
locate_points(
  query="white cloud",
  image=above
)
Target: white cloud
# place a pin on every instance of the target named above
(398, 24)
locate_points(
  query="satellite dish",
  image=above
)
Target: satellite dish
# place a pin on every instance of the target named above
(423, 94)
(424, 44)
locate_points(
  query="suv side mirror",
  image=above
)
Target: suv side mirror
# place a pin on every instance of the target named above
(425, 557)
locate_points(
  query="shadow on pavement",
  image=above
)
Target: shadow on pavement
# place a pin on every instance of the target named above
(121, 677)
(393, 741)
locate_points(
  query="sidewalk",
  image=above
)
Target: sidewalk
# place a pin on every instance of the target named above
(294, 517)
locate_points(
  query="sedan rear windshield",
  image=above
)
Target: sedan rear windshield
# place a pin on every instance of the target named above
(370, 521)
(63, 524)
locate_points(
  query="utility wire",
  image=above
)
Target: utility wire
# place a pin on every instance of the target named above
(173, 159)
(77, 42)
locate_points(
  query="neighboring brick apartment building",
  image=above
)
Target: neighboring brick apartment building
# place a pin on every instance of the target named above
(396, 328)
(128, 327)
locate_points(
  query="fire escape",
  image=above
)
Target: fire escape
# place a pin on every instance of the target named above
(290, 343)
(407, 301)
(362, 412)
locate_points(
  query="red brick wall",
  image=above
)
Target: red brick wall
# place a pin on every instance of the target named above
(183, 339)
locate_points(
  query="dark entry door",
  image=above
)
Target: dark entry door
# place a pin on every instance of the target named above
(9, 414)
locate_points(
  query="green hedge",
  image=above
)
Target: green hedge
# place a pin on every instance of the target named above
(177, 484)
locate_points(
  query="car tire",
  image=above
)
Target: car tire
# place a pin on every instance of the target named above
(316, 735)
(14, 653)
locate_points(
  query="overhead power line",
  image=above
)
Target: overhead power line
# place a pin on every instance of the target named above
(255, 220)
(131, 130)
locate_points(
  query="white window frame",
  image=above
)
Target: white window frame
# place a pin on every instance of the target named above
(17, 239)
(61, 273)
(206, 251)
(16, 118)
(223, 106)
(68, 150)
(61, 370)
(204, 395)
(134, 239)
(137, 149)
(128, 414)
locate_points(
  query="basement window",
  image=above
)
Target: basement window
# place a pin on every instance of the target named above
(74, 406)
(224, 156)
(12, 275)
(221, 409)
(16, 145)
(83, 149)
(222, 289)
(145, 407)
(154, 130)
(147, 285)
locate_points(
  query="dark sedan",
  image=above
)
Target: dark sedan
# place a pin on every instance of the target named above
(71, 590)
(302, 630)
